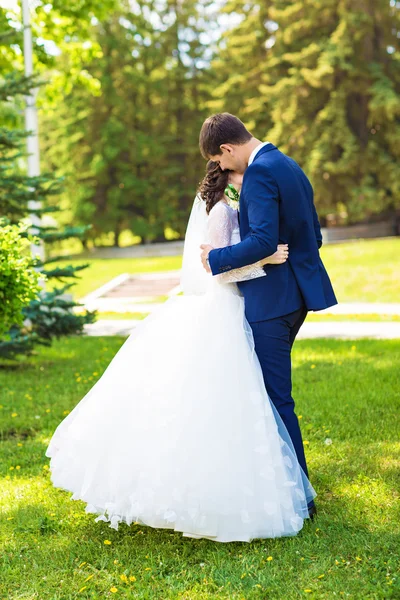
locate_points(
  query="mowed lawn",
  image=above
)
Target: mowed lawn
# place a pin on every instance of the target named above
(361, 270)
(347, 393)
(102, 270)
(364, 270)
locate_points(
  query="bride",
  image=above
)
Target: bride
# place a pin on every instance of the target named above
(179, 431)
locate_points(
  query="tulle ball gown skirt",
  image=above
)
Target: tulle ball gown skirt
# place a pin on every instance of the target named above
(179, 432)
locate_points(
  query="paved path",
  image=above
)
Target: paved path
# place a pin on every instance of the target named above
(136, 251)
(350, 330)
(363, 308)
(332, 329)
(175, 247)
(120, 305)
(141, 293)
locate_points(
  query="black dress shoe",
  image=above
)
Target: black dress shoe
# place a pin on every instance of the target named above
(312, 511)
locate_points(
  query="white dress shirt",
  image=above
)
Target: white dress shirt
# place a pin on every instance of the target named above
(252, 155)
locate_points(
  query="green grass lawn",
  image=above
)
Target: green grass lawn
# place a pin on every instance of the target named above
(364, 270)
(52, 549)
(125, 316)
(102, 270)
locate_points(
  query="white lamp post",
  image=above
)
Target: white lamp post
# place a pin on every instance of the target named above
(31, 121)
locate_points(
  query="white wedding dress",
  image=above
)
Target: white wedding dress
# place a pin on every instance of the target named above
(179, 431)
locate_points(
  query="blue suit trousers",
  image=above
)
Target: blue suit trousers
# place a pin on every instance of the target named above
(274, 339)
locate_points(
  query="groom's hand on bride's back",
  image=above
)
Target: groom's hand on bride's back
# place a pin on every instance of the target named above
(205, 251)
(279, 257)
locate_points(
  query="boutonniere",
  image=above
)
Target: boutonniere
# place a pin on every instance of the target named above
(233, 196)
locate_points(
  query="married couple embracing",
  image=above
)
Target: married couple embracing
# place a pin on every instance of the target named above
(192, 426)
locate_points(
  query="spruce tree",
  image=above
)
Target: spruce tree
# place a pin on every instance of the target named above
(239, 63)
(52, 313)
(332, 86)
(126, 110)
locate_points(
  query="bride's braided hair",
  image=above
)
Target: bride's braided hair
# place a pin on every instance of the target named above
(212, 187)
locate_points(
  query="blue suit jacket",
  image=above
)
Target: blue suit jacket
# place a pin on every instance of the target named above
(277, 207)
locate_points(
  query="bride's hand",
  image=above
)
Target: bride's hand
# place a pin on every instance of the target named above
(280, 256)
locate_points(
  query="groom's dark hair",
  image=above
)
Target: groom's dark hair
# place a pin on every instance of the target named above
(222, 128)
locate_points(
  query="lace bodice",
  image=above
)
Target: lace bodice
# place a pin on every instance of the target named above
(223, 230)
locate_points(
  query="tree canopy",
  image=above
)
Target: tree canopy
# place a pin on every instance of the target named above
(129, 84)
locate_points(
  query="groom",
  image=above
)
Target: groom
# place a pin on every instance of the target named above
(276, 207)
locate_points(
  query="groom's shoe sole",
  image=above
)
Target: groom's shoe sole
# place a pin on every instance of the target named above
(312, 512)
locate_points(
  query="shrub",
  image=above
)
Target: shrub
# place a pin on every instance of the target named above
(19, 281)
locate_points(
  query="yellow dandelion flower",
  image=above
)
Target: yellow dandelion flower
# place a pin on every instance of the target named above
(132, 578)
(19, 444)
(308, 591)
(337, 562)
(116, 561)
(148, 569)
(113, 590)
(14, 414)
(48, 410)
(52, 514)
(18, 467)
(313, 366)
(45, 467)
(321, 576)
(66, 412)
(8, 477)
(306, 442)
(300, 417)
(123, 577)
(107, 542)
(269, 558)
(11, 469)
(358, 558)
(78, 379)
(95, 374)
(353, 347)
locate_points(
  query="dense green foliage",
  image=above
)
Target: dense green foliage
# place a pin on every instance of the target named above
(128, 85)
(321, 80)
(19, 281)
(49, 314)
(345, 392)
(121, 116)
